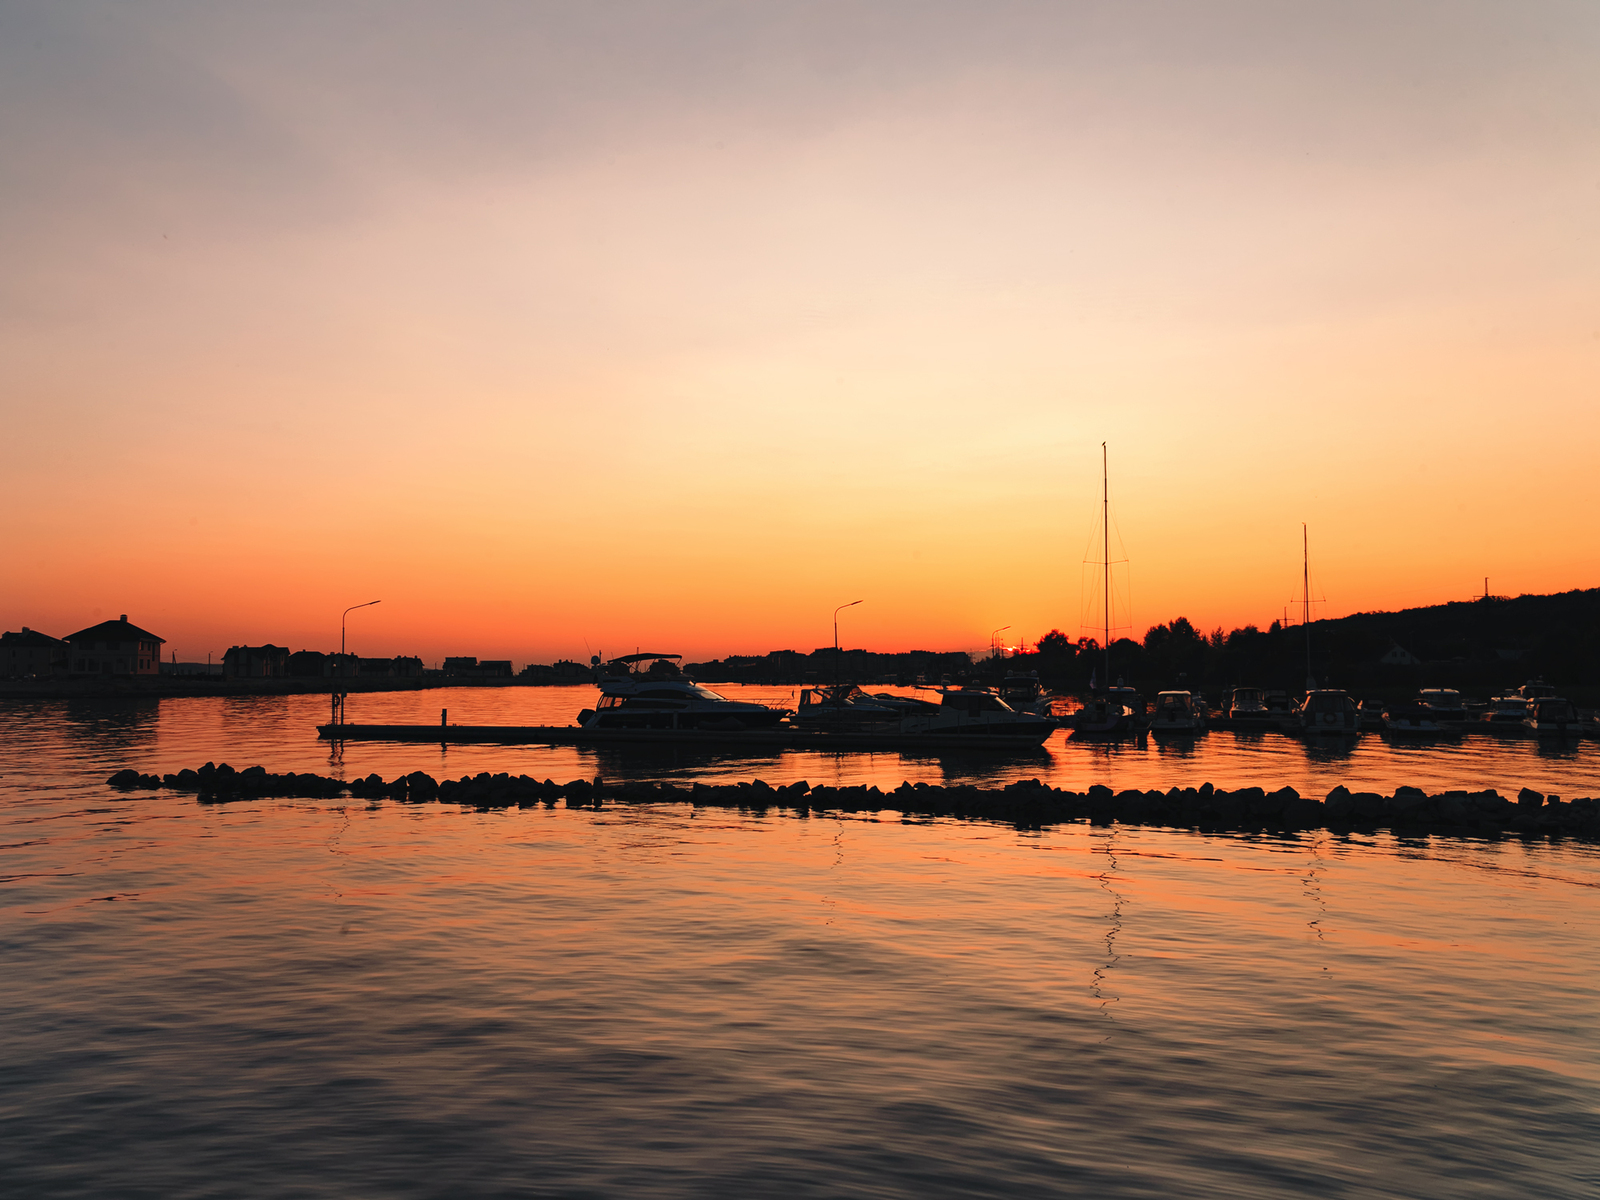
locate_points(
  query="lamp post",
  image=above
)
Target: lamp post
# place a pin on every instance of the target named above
(1002, 629)
(346, 613)
(836, 612)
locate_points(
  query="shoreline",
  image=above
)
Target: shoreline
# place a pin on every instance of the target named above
(169, 686)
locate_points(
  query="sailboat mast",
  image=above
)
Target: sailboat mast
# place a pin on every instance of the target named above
(1305, 593)
(1105, 551)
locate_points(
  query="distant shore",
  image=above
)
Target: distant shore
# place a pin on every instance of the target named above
(171, 686)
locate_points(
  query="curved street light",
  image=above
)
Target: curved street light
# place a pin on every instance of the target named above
(836, 612)
(1002, 629)
(346, 613)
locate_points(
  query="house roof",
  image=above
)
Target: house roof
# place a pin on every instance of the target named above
(114, 631)
(29, 637)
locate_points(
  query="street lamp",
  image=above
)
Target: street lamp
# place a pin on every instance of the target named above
(836, 613)
(346, 613)
(1002, 629)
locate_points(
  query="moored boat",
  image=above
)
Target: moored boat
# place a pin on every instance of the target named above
(977, 713)
(662, 697)
(1504, 715)
(1023, 692)
(1414, 718)
(1329, 711)
(1248, 705)
(845, 707)
(1177, 714)
(1101, 716)
(1553, 717)
(1445, 704)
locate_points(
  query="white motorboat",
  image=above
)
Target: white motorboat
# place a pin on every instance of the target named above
(1248, 704)
(1415, 718)
(1101, 717)
(845, 707)
(1024, 692)
(1553, 717)
(662, 697)
(977, 712)
(1329, 711)
(1504, 714)
(1177, 713)
(1445, 704)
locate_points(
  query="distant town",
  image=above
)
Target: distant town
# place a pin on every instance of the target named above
(122, 649)
(1488, 642)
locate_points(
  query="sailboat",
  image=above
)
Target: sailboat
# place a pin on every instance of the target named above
(1112, 711)
(1324, 710)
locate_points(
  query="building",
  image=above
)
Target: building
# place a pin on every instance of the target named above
(201, 670)
(1398, 656)
(309, 664)
(31, 653)
(114, 648)
(255, 662)
(468, 667)
(399, 667)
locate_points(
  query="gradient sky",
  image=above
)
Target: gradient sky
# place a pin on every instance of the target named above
(573, 327)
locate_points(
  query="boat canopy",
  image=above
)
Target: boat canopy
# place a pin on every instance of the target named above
(633, 658)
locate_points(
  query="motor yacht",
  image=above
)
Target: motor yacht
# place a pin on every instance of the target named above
(1329, 711)
(1554, 717)
(845, 707)
(1025, 693)
(1248, 705)
(1504, 714)
(1445, 703)
(1536, 689)
(1281, 710)
(978, 712)
(1101, 717)
(1414, 718)
(1177, 713)
(661, 696)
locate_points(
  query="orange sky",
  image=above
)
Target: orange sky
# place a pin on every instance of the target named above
(572, 330)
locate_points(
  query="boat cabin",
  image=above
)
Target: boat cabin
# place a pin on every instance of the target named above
(1174, 704)
(973, 701)
(1553, 711)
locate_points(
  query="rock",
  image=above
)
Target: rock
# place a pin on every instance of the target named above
(1408, 799)
(1367, 806)
(125, 778)
(1528, 798)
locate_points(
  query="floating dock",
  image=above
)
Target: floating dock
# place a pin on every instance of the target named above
(756, 739)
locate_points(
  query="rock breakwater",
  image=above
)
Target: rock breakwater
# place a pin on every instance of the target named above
(1027, 803)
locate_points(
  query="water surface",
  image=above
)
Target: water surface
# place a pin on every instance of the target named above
(292, 998)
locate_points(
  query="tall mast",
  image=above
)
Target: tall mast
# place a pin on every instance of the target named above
(1305, 593)
(1105, 551)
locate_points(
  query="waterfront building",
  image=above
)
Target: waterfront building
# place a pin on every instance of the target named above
(255, 662)
(114, 648)
(31, 653)
(469, 667)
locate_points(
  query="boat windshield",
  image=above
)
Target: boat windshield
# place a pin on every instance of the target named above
(705, 693)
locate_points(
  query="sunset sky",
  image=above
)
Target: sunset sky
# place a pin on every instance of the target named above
(576, 327)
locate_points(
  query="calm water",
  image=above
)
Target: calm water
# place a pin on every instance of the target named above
(298, 999)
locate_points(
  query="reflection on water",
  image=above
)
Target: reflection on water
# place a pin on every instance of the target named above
(279, 733)
(1107, 846)
(283, 997)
